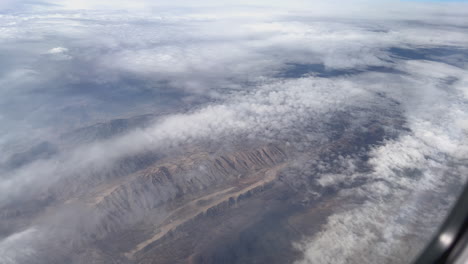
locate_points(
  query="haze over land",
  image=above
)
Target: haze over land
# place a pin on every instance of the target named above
(229, 133)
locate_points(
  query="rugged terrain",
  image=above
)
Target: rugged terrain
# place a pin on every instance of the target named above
(231, 203)
(165, 132)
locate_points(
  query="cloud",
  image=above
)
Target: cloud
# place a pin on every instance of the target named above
(272, 111)
(428, 162)
(16, 248)
(217, 74)
(59, 53)
(57, 50)
(389, 227)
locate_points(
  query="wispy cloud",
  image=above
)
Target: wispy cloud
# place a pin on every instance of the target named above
(219, 74)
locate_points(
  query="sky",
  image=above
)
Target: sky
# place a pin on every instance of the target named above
(214, 71)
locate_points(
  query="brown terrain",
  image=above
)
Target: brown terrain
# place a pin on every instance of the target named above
(245, 205)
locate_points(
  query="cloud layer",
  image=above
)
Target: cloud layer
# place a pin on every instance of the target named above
(260, 74)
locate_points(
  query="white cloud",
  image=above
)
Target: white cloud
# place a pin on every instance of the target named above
(57, 50)
(59, 53)
(236, 55)
(391, 227)
(17, 247)
(262, 114)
